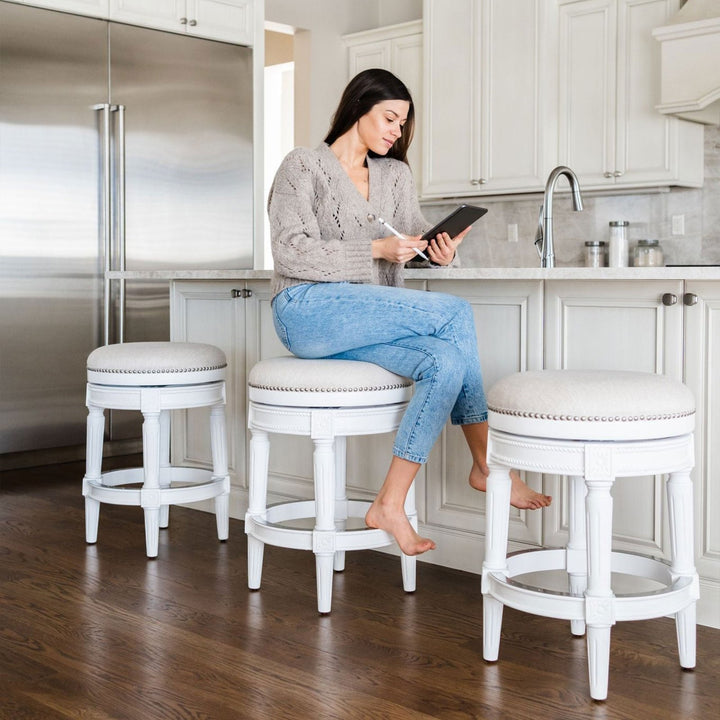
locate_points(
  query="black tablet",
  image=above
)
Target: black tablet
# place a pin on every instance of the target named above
(460, 218)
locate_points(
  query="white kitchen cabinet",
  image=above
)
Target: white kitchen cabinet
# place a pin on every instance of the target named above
(229, 20)
(508, 322)
(397, 48)
(609, 131)
(485, 110)
(93, 8)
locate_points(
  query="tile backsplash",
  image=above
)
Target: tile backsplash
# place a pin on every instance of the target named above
(649, 213)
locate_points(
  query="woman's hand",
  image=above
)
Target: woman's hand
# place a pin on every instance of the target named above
(397, 250)
(441, 250)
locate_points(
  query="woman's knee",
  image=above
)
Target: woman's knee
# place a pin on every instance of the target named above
(444, 362)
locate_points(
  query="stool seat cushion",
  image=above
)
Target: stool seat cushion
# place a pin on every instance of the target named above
(591, 405)
(300, 382)
(156, 363)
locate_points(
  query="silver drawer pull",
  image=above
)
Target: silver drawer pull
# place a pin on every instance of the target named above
(690, 299)
(669, 299)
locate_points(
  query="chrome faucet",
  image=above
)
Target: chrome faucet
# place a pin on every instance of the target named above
(544, 235)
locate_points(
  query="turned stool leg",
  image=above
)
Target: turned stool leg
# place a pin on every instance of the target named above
(497, 515)
(341, 512)
(164, 477)
(149, 494)
(577, 546)
(409, 562)
(324, 531)
(257, 501)
(599, 598)
(680, 513)
(218, 445)
(93, 468)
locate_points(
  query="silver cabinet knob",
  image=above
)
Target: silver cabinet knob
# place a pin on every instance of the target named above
(193, 23)
(244, 293)
(479, 181)
(690, 299)
(183, 21)
(669, 299)
(608, 174)
(618, 173)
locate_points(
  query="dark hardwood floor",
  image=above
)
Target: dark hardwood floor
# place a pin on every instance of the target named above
(98, 632)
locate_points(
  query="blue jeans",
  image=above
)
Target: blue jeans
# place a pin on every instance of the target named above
(426, 336)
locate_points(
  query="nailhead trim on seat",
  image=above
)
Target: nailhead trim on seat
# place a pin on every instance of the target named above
(125, 371)
(314, 388)
(583, 418)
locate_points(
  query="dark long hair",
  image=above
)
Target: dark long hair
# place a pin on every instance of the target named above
(362, 93)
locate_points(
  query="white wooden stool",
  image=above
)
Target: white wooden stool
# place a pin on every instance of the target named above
(155, 378)
(327, 400)
(591, 426)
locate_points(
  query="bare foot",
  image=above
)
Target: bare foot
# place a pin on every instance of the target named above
(397, 524)
(521, 496)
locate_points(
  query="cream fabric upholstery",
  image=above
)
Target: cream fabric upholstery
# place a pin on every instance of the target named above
(156, 363)
(591, 404)
(325, 383)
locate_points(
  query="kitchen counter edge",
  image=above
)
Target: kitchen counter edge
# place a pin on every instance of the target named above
(558, 273)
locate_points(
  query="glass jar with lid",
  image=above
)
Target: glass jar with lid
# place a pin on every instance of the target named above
(647, 253)
(594, 253)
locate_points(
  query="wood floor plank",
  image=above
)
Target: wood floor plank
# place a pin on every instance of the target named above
(102, 633)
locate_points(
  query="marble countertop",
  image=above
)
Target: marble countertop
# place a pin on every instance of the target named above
(470, 273)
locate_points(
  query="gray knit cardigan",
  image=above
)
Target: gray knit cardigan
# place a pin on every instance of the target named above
(319, 222)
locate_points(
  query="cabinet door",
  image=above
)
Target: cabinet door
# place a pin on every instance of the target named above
(229, 20)
(451, 33)
(508, 322)
(615, 325)
(94, 8)
(646, 141)
(609, 131)
(207, 312)
(483, 106)
(702, 350)
(586, 93)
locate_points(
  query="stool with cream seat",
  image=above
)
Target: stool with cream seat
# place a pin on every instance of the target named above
(155, 378)
(326, 400)
(591, 426)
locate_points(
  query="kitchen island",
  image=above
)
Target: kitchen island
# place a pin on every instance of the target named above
(664, 320)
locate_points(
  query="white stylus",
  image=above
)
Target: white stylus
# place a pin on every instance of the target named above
(402, 237)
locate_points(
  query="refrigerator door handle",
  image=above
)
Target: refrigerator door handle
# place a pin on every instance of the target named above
(120, 211)
(105, 239)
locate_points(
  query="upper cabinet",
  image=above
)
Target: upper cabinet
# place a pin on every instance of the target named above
(609, 131)
(485, 110)
(229, 20)
(397, 48)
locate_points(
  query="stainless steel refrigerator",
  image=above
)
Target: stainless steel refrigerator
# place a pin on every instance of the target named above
(120, 148)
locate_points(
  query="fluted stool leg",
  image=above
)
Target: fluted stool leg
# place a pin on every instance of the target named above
(324, 531)
(680, 512)
(93, 469)
(164, 477)
(341, 513)
(257, 501)
(218, 444)
(149, 494)
(497, 509)
(577, 545)
(409, 562)
(599, 597)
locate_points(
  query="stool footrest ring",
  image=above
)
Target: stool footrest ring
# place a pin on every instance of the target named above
(193, 484)
(674, 596)
(267, 530)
